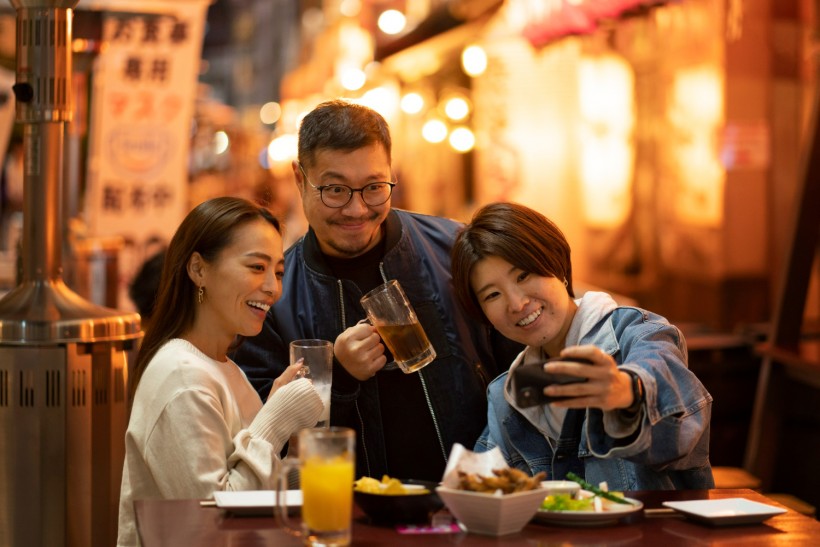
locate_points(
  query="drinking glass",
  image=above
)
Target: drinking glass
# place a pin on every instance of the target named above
(389, 310)
(326, 464)
(318, 366)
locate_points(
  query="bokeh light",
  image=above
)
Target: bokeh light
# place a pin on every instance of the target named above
(434, 131)
(392, 21)
(270, 113)
(462, 139)
(221, 142)
(412, 103)
(474, 60)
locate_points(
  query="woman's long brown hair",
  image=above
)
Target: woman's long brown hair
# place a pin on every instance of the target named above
(207, 229)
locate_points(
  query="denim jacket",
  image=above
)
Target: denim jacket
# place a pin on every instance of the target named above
(316, 304)
(669, 447)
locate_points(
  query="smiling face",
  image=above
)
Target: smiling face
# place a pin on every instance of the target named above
(354, 229)
(241, 284)
(531, 309)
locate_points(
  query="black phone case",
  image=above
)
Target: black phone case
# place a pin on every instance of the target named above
(529, 382)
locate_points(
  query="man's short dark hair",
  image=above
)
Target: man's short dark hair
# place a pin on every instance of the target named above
(341, 125)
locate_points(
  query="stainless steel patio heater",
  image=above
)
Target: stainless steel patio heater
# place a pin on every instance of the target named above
(63, 360)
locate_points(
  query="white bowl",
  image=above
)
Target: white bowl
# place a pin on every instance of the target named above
(490, 514)
(552, 488)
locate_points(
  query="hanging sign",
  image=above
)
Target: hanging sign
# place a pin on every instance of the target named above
(143, 97)
(541, 21)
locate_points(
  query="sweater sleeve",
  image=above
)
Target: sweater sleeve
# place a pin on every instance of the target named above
(292, 407)
(190, 451)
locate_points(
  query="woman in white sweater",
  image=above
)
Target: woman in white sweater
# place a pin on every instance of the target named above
(196, 423)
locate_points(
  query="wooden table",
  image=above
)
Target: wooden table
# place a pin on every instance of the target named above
(185, 522)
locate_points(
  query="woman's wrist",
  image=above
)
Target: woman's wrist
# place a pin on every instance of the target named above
(638, 393)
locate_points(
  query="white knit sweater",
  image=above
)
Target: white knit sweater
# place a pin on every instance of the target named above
(197, 426)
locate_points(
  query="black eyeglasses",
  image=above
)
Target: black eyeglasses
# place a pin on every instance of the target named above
(339, 195)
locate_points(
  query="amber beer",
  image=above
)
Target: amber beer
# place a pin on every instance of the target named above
(404, 341)
(389, 310)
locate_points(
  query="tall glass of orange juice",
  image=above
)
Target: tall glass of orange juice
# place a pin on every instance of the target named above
(326, 472)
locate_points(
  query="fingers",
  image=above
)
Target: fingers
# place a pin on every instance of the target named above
(593, 353)
(293, 371)
(604, 388)
(360, 351)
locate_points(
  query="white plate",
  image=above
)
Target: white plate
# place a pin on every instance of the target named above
(613, 514)
(726, 511)
(255, 502)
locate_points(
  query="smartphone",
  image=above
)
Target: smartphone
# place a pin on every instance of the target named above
(529, 382)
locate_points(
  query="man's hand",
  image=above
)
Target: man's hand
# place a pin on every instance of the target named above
(360, 351)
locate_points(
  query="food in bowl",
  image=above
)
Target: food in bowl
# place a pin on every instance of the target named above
(560, 487)
(388, 487)
(492, 513)
(508, 480)
(393, 501)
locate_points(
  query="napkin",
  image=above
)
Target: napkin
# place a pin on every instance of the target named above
(478, 463)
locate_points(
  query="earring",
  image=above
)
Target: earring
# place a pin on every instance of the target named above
(565, 282)
(200, 294)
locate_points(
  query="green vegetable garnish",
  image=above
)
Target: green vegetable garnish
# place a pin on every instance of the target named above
(565, 502)
(597, 491)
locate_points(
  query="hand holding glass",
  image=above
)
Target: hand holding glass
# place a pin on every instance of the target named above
(318, 366)
(326, 466)
(389, 310)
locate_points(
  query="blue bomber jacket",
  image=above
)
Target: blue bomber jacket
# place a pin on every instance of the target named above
(316, 304)
(669, 445)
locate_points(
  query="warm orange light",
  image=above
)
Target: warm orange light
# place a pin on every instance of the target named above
(462, 139)
(270, 112)
(412, 103)
(392, 21)
(434, 131)
(457, 108)
(282, 148)
(474, 60)
(606, 85)
(695, 112)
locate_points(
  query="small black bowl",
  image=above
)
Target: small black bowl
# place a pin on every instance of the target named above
(391, 510)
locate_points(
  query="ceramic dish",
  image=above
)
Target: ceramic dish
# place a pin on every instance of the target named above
(560, 487)
(255, 502)
(612, 515)
(725, 511)
(490, 514)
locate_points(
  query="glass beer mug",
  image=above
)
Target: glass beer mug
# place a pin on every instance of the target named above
(326, 465)
(389, 310)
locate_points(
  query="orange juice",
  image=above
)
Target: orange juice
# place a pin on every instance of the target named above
(327, 493)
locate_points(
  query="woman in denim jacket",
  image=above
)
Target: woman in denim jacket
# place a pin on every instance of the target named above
(639, 420)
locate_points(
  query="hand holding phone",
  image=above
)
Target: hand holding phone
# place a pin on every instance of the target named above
(529, 382)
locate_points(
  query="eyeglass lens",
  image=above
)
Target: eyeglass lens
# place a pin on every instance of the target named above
(338, 195)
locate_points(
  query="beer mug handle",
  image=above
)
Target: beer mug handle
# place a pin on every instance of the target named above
(280, 510)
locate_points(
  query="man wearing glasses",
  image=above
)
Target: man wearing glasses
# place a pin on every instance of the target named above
(406, 423)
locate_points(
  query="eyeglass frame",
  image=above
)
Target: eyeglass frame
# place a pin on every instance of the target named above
(350, 190)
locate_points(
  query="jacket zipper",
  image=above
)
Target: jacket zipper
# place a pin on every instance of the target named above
(342, 303)
(358, 412)
(424, 388)
(364, 445)
(433, 414)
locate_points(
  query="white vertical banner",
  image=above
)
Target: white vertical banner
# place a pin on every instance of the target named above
(143, 96)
